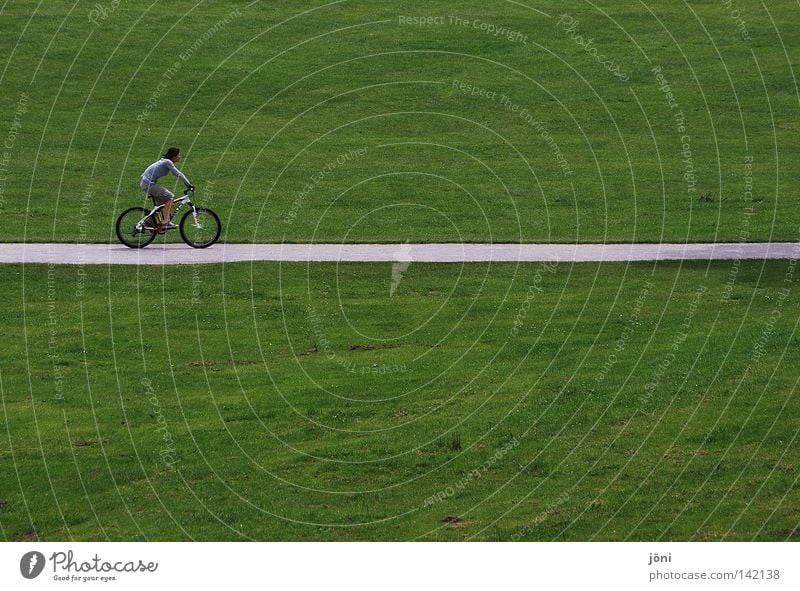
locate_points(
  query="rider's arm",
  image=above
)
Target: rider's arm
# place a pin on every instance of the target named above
(178, 173)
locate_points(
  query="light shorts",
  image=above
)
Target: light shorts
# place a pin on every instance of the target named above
(159, 194)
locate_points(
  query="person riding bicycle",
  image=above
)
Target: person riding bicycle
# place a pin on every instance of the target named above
(160, 194)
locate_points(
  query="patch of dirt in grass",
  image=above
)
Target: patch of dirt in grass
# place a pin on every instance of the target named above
(674, 456)
(458, 523)
(677, 456)
(29, 535)
(361, 347)
(220, 364)
(89, 443)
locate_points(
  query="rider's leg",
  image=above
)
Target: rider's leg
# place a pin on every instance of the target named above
(161, 196)
(167, 209)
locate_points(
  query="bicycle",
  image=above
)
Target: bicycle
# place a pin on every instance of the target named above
(200, 227)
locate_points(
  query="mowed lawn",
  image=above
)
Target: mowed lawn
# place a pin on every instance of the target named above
(478, 402)
(425, 121)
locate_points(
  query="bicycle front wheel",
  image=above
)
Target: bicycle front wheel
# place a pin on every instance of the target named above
(201, 228)
(129, 230)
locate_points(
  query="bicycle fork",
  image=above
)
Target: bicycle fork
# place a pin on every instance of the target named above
(197, 224)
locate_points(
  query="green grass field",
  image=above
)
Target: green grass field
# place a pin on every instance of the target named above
(477, 402)
(568, 137)
(502, 402)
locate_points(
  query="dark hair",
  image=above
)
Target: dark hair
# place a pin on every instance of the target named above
(172, 152)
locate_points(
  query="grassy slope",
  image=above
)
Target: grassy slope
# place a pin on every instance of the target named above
(304, 403)
(266, 102)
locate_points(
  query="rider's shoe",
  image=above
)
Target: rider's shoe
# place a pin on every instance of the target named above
(164, 227)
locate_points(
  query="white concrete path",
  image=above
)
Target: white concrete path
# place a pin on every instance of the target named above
(177, 254)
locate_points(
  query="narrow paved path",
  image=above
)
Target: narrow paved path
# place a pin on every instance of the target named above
(177, 254)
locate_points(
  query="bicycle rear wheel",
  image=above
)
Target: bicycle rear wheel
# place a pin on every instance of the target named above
(128, 231)
(201, 231)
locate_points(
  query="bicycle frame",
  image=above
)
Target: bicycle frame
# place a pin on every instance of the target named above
(177, 205)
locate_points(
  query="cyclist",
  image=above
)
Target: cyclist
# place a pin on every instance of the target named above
(160, 194)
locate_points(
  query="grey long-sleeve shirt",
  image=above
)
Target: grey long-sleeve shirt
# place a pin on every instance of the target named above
(160, 168)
